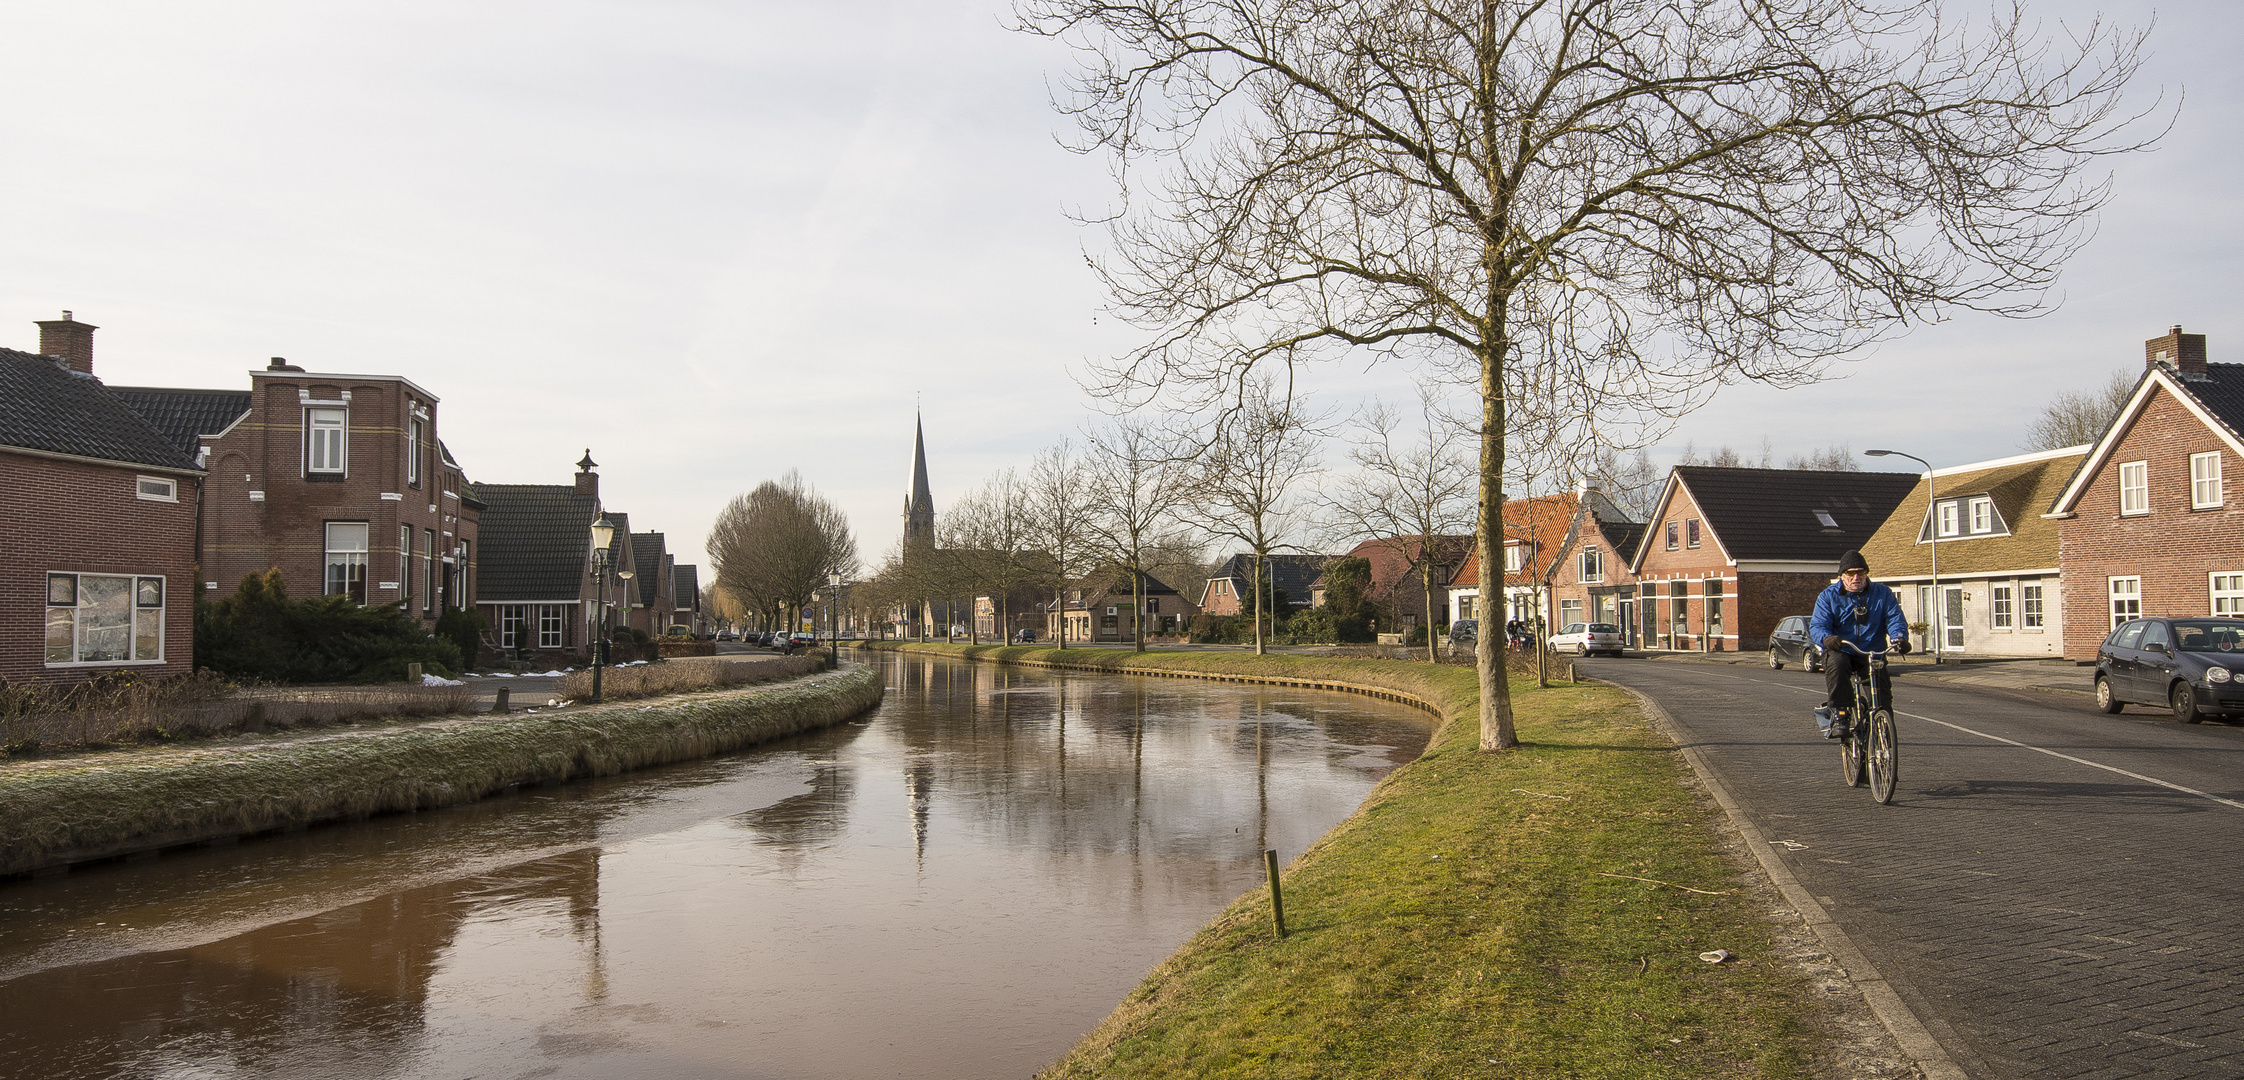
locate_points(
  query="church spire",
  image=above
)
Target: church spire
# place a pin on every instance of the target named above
(919, 505)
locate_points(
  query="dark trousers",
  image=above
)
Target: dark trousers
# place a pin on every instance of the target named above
(1839, 667)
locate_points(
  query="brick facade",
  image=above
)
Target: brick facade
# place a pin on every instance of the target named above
(103, 527)
(269, 506)
(1678, 586)
(2171, 547)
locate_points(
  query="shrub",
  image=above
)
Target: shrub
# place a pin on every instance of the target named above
(464, 628)
(259, 633)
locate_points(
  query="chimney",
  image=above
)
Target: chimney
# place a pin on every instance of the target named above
(69, 340)
(588, 482)
(2185, 353)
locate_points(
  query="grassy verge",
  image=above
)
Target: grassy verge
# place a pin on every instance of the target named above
(97, 805)
(1536, 913)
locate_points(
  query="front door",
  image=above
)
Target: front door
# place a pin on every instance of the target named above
(1628, 620)
(1952, 616)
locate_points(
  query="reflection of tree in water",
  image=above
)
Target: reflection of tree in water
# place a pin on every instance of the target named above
(340, 993)
(807, 821)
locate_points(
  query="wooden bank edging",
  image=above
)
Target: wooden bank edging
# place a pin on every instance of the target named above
(173, 797)
(1381, 692)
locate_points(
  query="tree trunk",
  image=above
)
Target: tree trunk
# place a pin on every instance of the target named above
(1137, 613)
(1059, 604)
(1426, 577)
(1255, 586)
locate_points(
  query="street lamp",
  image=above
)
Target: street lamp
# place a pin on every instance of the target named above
(833, 616)
(603, 531)
(1932, 530)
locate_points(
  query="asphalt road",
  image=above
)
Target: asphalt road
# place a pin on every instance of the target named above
(2054, 893)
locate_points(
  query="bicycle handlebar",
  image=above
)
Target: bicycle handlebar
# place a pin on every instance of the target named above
(1857, 650)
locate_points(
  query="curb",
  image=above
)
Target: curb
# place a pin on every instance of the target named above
(1909, 1033)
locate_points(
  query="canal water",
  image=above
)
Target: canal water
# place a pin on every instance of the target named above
(959, 884)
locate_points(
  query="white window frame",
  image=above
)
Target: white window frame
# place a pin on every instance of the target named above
(329, 560)
(2205, 481)
(1980, 511)
(1949, 519)
(1515, 556)
(2134, 488)
(1999, 607)
(413, 451)
(1593, 564)
(2126, 595)
(2226, 589)
(155, 488)
(327, 440)
(1691, 532)
(428, 571)
(2030, 613)
(144, 597)
(550, 618)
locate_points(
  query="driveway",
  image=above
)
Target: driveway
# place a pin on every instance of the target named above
(2053, 892)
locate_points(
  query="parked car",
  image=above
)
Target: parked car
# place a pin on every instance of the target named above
(678, 630)
(1789, 644)
(1464, 632)
(1026, 635)
(727, 635)
(2193, 667)
(1587, 638)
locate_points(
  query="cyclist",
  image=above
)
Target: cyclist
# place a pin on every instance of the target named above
(1857, 610)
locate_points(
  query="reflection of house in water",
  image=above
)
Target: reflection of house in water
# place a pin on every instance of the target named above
(809, 820)
(340, 993)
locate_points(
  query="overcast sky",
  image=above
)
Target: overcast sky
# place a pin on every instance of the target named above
(716, 241)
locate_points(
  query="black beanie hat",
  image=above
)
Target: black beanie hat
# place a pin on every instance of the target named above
(1852, 560)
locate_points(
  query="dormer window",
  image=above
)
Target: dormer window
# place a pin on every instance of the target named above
(1968, 516)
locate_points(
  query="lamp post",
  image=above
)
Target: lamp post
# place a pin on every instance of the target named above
(833, 616)
(603, 531)
(1932, 529)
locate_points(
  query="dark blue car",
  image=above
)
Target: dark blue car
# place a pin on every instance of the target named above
(2193, 667)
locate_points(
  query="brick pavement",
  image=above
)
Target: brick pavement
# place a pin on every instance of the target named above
(2042, 918)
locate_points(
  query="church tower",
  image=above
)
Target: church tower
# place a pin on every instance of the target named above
(919, 506)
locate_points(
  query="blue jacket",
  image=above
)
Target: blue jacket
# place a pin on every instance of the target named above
(1867, 620)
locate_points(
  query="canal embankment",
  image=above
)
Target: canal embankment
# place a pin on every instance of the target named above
(103, 804)
(1540, 912)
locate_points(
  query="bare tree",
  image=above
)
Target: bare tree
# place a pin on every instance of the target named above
(1838, 457)
(1243, 486)
(1632, 484)
(1412, 491)
(1636, 200)
(989, 537)
(775, 545)
(2077, 417)
(1136, 484)
(1061, 502)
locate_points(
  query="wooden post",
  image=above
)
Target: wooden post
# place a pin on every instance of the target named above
(1277, 901)
(498, 707)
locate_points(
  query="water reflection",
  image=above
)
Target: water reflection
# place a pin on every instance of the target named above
(958, 885)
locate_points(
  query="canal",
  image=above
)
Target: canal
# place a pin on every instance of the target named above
(959, 884)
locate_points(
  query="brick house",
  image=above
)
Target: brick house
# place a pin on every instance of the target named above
(97, 517)
(1590, 579)
(339, 481)
(538, 568)
(1396, 563)
(657, 596)
(686, 578)
(1730, 552)
(1999, 582)
(2146, 525)
(1537, 534)
(1226, 593)
(1101, 608)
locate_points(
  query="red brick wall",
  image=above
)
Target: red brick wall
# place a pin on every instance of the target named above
(72, 516)
(1765, 599)
(2172, 548)
(1692, 566)
(286, 529)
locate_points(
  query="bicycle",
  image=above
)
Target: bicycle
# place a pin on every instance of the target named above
(1872, 749)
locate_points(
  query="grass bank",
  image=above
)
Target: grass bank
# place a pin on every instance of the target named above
(97, 805)
(1535, 913)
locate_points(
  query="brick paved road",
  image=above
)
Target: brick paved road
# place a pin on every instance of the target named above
(2044, 918)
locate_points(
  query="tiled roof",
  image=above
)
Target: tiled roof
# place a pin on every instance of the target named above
(534, 541)
(2222, 392)
(1114, 580)
(1770, 514)
(2020, 491)
(646, 562)
(1543, 520)
(1624, 537)
(686, 579)
(185, 415)
(1394, 558)
(1292, 574)
(44, 406)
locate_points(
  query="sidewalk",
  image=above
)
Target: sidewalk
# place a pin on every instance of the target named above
(2051, 676)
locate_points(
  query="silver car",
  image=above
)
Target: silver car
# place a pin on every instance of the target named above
(1587, 638)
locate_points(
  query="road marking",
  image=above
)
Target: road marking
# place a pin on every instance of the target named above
(2168, 784)
(2083, 761)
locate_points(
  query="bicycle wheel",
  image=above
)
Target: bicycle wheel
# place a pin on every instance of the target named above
(1884, 756)
(1851, 755)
